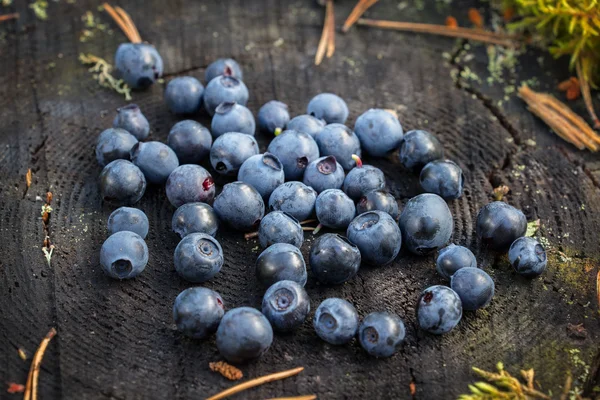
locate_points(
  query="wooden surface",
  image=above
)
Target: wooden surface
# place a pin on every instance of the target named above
(117, 340)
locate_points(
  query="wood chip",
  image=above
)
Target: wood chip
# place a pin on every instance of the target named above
(22, 354)
(228, 371)
(28, 178)
(475, 18)
(15, 388)
(571, 87)
(451, 22)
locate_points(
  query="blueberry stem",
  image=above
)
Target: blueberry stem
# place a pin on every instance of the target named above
(317, 229)
(250, 235)
(358, 161)
(308, 228)
(277, 131)
(256, 382)
(308, 221)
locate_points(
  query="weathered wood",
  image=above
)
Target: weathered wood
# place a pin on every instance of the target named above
(117, 339)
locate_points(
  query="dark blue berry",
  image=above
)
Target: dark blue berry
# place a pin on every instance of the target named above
(452, 258)
(229, 151)
(307, 124)
(232, 117)
(198, 311)
(131, 119)
(190, 184)
(527, 257)
(378, 200)
(379, 132)
(155, 159)
(286, 305)
(336, 321)
(419, 148)
(439, 309)
(183, 95)
(324, 173)
(122, 183)
(295, 150)
(499, 225)
(474, 287)
(377, 236)
(426, 223)
(240, 206)
(264, 172)
(273, 116)
(114, 144)
(380, 333)
(223, 89)
(334, 209)
(128, 219)
(340, 141)
(198, 257)
(190, 141)
(281, 262)
(124, 255)
(328, 107)
(279, 227)
(139, 64)
(243, 334)
(444, 178)
(294, 198)
(333, 259)
(223, 66)
(195, 218)
(362, 180)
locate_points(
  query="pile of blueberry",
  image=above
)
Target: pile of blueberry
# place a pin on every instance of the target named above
(312, 168)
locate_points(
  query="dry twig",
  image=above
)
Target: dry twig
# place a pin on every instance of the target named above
(464, 33)
(357, 12)
(255, 382)
(8, 17)
(34, 371)
(305, 397)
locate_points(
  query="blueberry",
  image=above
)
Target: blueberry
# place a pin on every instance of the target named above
(379, 132)
(279, 227)
(264, 172)
(122, 183)
(240, 206)
(195, 218)
(114, 144)
(139, 64)
(426, 223)
(527, 257)
(328, 107)
(362, 180)
(223, 66)
(452, 258)
(232, 117)
(197, 312)
(444, 178)
(439, 309)
(229, 151)
(295, 198)
(190, 141)
(499, 225)
(334, 209)
(419, 148)
(474, 287)
(273, 116)
(324, 173)
(378, 200)
(133, 121)
(336, 321)
(281, 262)
(155, 159)
(222, 89)
(198, 257)
(377, 236)
(124, 255)
(286, 305)
(307, 124)
(190, 184)
(243, 334)
(183, 95)
(380, 333)
(338, 140)
(333, 259)
(295, 150)
(128, 219)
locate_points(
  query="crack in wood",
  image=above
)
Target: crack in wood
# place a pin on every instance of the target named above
(185, 71)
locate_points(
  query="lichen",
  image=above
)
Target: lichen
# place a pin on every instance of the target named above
(39, 8)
